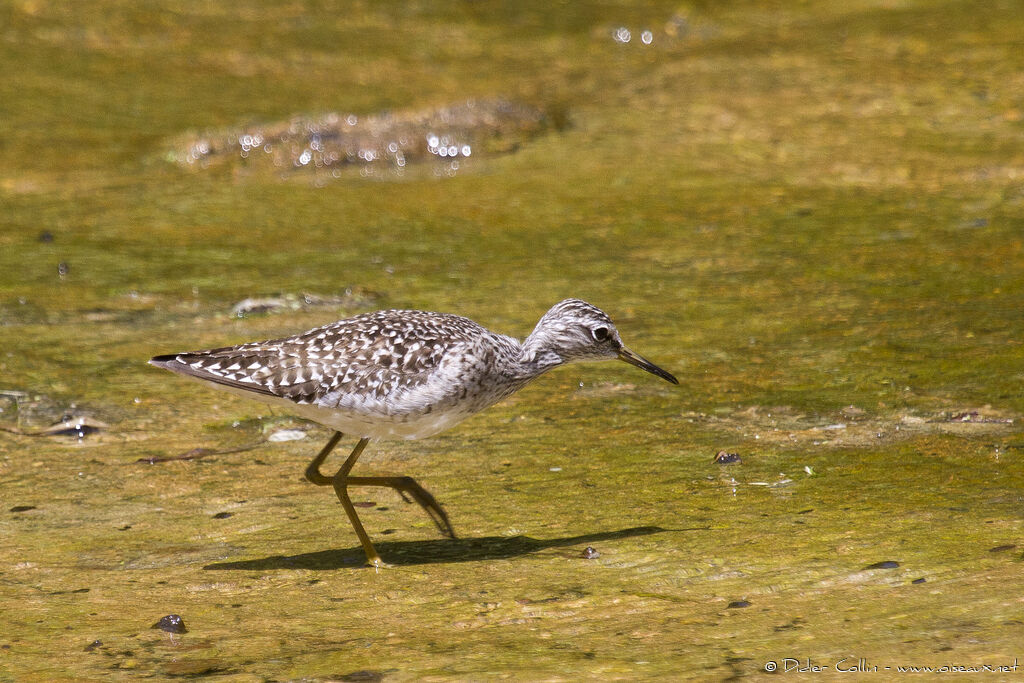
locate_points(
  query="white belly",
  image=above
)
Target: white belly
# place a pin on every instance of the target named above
(373, 425)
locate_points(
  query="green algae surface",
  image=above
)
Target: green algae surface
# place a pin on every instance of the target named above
(811, 213)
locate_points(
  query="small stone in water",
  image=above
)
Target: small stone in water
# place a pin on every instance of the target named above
(737, 603)
(93, 645)
(589, 553)
(918, 581)
(726, 458)
(22, 508)
(70, 425)
(1002, 548)
(222, 515)
(172, 623)
(887, 564)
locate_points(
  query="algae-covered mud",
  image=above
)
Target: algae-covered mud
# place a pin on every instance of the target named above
(809, 213)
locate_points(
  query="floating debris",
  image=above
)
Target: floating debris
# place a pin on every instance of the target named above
(590, 554)
(22, 508)
(736, 604)
(223, 515)
(726, 458)
(172, 623)
(1002, 548)
(388, 139)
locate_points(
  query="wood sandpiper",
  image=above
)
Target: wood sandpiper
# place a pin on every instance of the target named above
(401, 374)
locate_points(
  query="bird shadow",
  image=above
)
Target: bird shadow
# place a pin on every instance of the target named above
(430, 552)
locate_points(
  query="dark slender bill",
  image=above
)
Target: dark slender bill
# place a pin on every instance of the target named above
(644, 364)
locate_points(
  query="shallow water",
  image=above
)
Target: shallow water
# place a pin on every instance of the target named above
(811, 215)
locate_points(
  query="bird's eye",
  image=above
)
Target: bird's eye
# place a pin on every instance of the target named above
(599, 333)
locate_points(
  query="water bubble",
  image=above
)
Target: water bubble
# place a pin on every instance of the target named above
(646, 37)
(622, 35)
(305, 157)
(433, 140)
(466, 150)
(352, 120)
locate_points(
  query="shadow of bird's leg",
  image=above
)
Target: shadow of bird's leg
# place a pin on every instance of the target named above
(422, 497)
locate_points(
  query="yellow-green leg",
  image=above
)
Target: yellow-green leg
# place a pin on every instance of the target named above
(404, 485)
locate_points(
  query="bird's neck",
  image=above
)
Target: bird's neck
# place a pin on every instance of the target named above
(537, 355)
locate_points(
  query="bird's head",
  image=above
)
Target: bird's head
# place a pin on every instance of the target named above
(573, 330)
